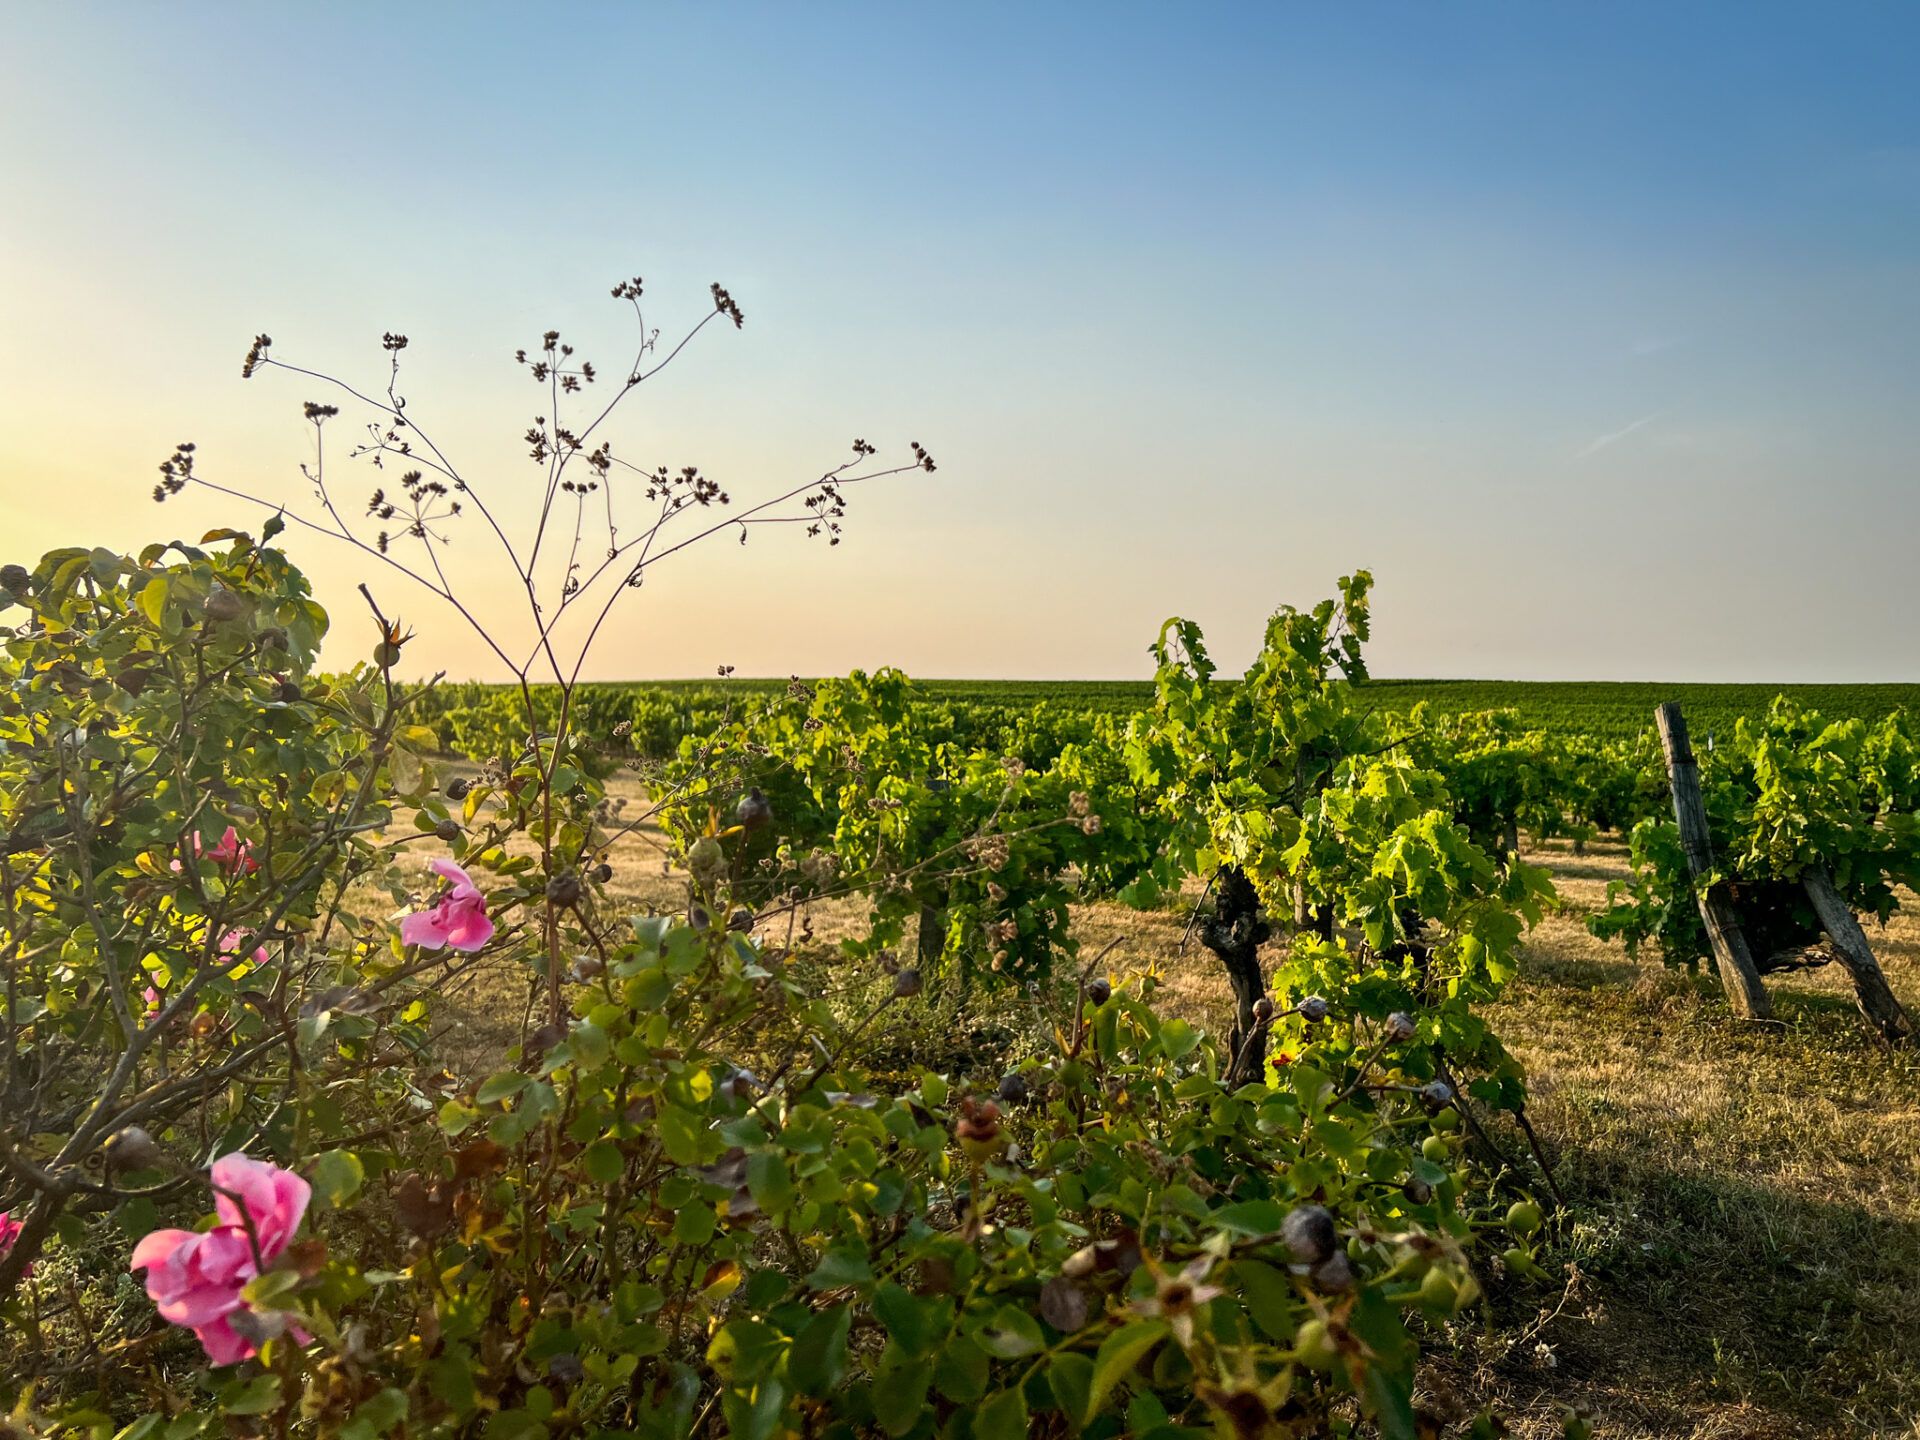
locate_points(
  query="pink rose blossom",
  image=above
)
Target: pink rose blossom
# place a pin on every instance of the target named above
(10, 1229)
(196, 1279)
(275, 1199)
(459, 919)
(152, 998)
(231, 854)
(231, 942)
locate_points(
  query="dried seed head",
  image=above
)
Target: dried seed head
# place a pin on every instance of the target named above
(131, 1148)
(1308, 1234)
(1335, 1272)
(754, 809)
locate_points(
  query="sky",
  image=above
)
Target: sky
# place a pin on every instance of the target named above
(1594, 332)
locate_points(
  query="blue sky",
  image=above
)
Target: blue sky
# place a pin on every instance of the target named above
(1593, 331)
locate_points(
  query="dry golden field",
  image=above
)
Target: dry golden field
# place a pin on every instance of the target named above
(1742, 1245)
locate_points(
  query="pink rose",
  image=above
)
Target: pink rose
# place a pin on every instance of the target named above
(231, 854)
(10, 1229)
(276, 1200)
(196, 1279)
(231, 942)
(459, 919)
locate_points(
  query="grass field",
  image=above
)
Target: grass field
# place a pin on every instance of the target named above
(1742, 1244)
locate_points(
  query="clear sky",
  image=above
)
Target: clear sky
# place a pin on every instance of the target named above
(1593, 330)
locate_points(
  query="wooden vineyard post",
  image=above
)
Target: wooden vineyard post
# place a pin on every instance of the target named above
(1877, 1001)
(1738, 973)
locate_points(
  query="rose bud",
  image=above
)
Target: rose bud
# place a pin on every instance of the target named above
(1314, 1008)
(978, 1130)
(1263, 1009)
(1099, 990)
(448, 830)
(457, 789)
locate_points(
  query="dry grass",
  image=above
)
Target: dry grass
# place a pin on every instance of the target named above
(1744, 1222)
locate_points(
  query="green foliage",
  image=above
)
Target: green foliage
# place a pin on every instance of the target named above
(185, 804)
(1790, 792)
(978, 851)
(627, 1229)
(659, 714)
(631, 1230)
(1288, 780)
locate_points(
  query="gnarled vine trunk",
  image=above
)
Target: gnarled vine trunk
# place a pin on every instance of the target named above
(1234, 932)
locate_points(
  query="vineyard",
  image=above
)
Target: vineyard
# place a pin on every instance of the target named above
(663, 712)
(861, 1057)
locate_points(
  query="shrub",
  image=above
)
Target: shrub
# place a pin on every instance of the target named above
(186, 805)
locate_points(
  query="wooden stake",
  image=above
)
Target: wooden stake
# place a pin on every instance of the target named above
(1877, 1001)
(1738, 974)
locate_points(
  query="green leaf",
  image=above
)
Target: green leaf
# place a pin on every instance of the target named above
(1178, 1038)
(1012, 1334)
(503, 1086)
(337, 1176)
(679, 1134)
(1248, 1217)
(1269, 1298)
(1070, 1377)
(603, 1162)
(380, 1414)
(818, 1358)
(153, 598)
(251, 1397)
(900, 1394)
(1004, 1417)
(915, 1325)
(769, 1181)
(756, 1417)
(843, 1265)
(1119, 1353)
(960, 1370)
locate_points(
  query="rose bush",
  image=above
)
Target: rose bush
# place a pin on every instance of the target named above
(163, 990)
